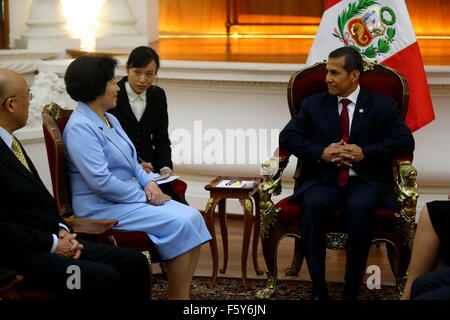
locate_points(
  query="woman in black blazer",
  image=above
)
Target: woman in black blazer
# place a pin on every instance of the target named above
(142, 111)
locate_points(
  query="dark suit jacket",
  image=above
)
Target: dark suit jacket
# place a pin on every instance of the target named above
(376, 127)
(28, 213)
(150, 135)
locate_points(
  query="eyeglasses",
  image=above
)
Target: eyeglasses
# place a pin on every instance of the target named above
(29, 97)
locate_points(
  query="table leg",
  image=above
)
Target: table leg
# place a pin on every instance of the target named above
(224, 232)
(209, 219)
(256, 197)
(247, 205)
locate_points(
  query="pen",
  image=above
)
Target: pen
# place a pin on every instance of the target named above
(234, 181)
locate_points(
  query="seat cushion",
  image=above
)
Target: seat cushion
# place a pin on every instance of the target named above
(290, 212)
(180, 187)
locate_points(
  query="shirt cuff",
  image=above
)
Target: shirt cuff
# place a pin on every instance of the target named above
(61, 225)
(165, 168)
(55, 243)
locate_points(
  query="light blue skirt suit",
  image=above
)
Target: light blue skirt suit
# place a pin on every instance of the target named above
(108, 183)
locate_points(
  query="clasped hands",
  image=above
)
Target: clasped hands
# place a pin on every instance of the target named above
(342, 154)
(67, 245)
(154, 194)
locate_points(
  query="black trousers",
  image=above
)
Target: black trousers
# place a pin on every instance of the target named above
(106, 272)
(358, 201)
(432, 286)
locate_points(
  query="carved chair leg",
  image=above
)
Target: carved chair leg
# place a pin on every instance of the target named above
(270, 248)
(297, 260)
(394, 260)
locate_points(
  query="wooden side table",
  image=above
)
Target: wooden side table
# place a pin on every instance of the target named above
(218, 195)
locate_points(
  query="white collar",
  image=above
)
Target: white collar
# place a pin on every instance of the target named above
(6, 136)
(353, 97)
(132, 95)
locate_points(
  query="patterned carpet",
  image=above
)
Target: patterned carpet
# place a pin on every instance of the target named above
(228, 288)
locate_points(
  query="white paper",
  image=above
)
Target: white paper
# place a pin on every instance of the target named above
(160, 179)
(225, 184)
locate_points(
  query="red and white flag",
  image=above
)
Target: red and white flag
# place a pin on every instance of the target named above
(382, 31)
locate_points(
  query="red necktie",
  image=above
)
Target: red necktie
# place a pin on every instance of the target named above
(343, 175)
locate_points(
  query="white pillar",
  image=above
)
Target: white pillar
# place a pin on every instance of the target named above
(47, 28)
(153, 20)
(117, 26)
(46, 20)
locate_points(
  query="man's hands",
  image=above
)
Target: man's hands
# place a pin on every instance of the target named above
(342, 154)
(154, 194)
(67, 245)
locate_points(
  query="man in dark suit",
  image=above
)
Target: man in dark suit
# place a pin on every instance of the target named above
(347, 139)
(35, 241)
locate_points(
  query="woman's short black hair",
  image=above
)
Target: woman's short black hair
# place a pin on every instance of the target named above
(141, 57)
(86, 77)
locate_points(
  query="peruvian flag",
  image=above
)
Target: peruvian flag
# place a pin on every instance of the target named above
(382, 31)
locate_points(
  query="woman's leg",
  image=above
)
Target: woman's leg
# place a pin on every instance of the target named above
(425, 251)
(180, 271)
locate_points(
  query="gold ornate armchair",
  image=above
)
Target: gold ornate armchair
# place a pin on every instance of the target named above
(394, 228)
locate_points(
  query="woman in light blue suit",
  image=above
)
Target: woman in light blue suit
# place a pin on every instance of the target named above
(108, 183)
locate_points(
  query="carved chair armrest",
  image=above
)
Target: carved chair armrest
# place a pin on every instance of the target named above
(405, 175)
(90, 229)
(283, 156)
(272, 172)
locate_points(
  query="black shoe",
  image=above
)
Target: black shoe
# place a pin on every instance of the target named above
(319, 294)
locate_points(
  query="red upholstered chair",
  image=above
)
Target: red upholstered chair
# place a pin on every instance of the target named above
(394, 228)
(54, 121)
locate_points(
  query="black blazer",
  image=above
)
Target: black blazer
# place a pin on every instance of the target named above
(376, 127)
(150, 135)
(28, 212)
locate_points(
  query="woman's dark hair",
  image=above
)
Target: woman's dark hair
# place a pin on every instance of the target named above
(86, 77)
(353, 59)
(142, 56)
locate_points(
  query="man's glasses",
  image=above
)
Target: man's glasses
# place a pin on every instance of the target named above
(29, 97)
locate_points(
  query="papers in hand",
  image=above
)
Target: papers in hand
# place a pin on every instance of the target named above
(235, 183)
(160, 179)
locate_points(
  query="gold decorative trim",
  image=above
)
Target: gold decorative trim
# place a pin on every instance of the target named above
(147, 255)
(247, 205)
(407, 194)
(270, 289)
(209, 204)
(267, 188)
(336, 240)
(54, 110)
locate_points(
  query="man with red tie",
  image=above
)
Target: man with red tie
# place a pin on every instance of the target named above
(347, 139)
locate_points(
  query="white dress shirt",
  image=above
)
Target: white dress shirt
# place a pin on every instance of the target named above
(353, 97)
(8, 138)
(138, 102)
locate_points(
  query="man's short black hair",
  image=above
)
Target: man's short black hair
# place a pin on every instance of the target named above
(86, 77)
(353, 59)
(141, 57)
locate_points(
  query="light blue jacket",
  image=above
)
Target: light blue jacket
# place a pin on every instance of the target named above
(107, 181)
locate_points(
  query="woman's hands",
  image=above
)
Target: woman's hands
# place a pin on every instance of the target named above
(154, 194)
